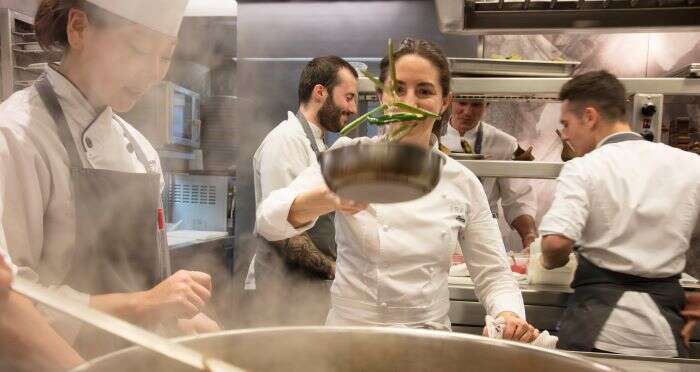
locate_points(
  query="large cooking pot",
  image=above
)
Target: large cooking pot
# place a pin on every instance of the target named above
(386, 172)
(341, 349)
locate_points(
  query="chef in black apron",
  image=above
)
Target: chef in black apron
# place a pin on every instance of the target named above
(467, 133)
(81, 196)
(292, 278)
(631, 207)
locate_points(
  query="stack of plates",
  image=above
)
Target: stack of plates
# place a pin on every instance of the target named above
(219, 133)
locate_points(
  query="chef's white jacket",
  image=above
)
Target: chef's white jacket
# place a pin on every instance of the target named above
(516, 195)
(393, 259)
(36, 199)
(633, 207)
(281, 157)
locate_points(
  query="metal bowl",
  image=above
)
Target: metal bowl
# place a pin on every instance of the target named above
(341, 349)
(381, 172)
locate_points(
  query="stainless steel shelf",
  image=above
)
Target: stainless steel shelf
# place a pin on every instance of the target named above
(538, 88)
(507, 67)
(513, 169)
(690, 71)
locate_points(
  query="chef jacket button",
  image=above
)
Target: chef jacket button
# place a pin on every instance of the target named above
(88, 142)
(385, 227)
(385, 265)
(444, 196)
(443, 233)
(384, 305)
(129, 147)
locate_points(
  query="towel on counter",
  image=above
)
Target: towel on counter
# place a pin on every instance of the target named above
(495, 328)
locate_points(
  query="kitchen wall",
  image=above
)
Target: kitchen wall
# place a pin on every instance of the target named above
(625, 55)
(276, 39)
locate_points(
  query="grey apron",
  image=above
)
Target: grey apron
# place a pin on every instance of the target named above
(597, 291)
(323, 232)
(117, 247)
(289, 294)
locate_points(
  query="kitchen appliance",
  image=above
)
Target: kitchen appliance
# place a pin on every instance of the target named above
(200, 202)
(168, 115)
(646, 115)
(380, 172)
(341, 349)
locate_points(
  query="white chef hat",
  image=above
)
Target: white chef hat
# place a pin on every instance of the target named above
(164, 16)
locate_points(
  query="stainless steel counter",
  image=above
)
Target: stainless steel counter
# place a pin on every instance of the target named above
(642, 364)
(544, 306)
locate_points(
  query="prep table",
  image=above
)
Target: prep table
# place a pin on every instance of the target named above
(544, 305)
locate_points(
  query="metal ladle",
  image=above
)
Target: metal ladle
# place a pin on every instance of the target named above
(121, 328)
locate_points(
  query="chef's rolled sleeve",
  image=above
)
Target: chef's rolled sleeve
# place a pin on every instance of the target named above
(271, 220)
(570, 209)
(486, 260)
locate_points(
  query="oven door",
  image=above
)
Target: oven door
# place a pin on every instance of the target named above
(184, 122)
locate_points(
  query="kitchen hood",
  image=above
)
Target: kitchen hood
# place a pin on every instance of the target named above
(477, 17)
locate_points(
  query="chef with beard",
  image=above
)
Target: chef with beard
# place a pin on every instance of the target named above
(296, 272)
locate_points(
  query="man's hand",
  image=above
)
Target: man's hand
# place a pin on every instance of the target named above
(691, 314)
(5, 280)
(526, 228)
(182, 295)
(516, 329)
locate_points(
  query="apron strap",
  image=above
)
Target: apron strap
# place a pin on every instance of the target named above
(479, 138)
(48, 96)
(309, 134)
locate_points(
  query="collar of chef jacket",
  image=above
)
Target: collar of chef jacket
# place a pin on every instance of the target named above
(315, 128)
(97, 131)
(609, 137)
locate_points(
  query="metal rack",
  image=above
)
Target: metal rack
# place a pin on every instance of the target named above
(526, 88)
(642, 92)
(22, 61)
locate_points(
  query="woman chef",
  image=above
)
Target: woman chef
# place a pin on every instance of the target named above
(80, 187)
(393, 259)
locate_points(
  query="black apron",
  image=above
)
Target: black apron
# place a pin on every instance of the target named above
(117, 246)
(323, 232)
(597, 291)
(303, 296)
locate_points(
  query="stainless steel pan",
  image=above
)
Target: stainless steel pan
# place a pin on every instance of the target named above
(345, 349)
(381, 172)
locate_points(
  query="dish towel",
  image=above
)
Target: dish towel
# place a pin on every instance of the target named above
(495, 327)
